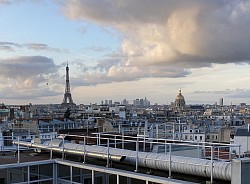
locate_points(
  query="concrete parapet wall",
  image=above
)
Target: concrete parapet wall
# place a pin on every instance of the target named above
(240, 173)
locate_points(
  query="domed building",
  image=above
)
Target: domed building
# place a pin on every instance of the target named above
(179, 101)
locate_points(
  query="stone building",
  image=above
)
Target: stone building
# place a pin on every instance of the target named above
(180, 101)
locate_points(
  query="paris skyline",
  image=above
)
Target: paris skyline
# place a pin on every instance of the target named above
(125, 49)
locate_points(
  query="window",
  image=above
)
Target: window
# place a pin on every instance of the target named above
(195, 137)
(200, 138)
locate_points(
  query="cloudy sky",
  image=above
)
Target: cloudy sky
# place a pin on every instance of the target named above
(125, 49)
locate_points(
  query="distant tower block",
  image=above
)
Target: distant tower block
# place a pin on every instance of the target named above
(67, 100)
(221, 102)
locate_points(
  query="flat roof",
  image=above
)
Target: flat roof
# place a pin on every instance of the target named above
(10, 157)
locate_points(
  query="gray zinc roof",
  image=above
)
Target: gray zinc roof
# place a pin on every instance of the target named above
(242, 132)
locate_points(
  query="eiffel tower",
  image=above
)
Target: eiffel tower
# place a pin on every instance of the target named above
(67, 100)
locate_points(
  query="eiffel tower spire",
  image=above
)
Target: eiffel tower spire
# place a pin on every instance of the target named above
(67, 100)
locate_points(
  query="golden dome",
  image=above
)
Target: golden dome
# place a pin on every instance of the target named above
(179, 101)
(179, 96)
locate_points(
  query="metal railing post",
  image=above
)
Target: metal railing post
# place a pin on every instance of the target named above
(198, 150)
(55, 172)
(230, 153)
(51, 154)
(117, 179)
(218, 150)
(84, 147)
(212, 155)
(63, 149)
(165, 146)
(18, 150)
(81, 178)
(144, 143)
(28, 174)
(115, 141)
(239, 151)
(106, 178)
(122, 140)
(38, 172)
(107, 153)
(71, 174)
(157, 132)
(93, 177)
(99, 142)
(170, 164)
(137, 150)
(204, 150)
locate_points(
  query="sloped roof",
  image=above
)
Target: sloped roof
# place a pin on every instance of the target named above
(196, 107)
(242, 132)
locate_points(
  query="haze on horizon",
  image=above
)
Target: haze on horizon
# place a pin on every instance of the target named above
(125, 49)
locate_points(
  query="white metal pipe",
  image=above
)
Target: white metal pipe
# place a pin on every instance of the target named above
(187, 165)
(76, 149)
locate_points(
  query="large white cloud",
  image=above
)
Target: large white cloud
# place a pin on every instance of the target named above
(24, 94)
(10, 46)
(4, 1)
(27, 77)
(165, 38)
(26, 66)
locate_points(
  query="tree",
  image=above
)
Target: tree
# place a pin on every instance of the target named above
(67, 113)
